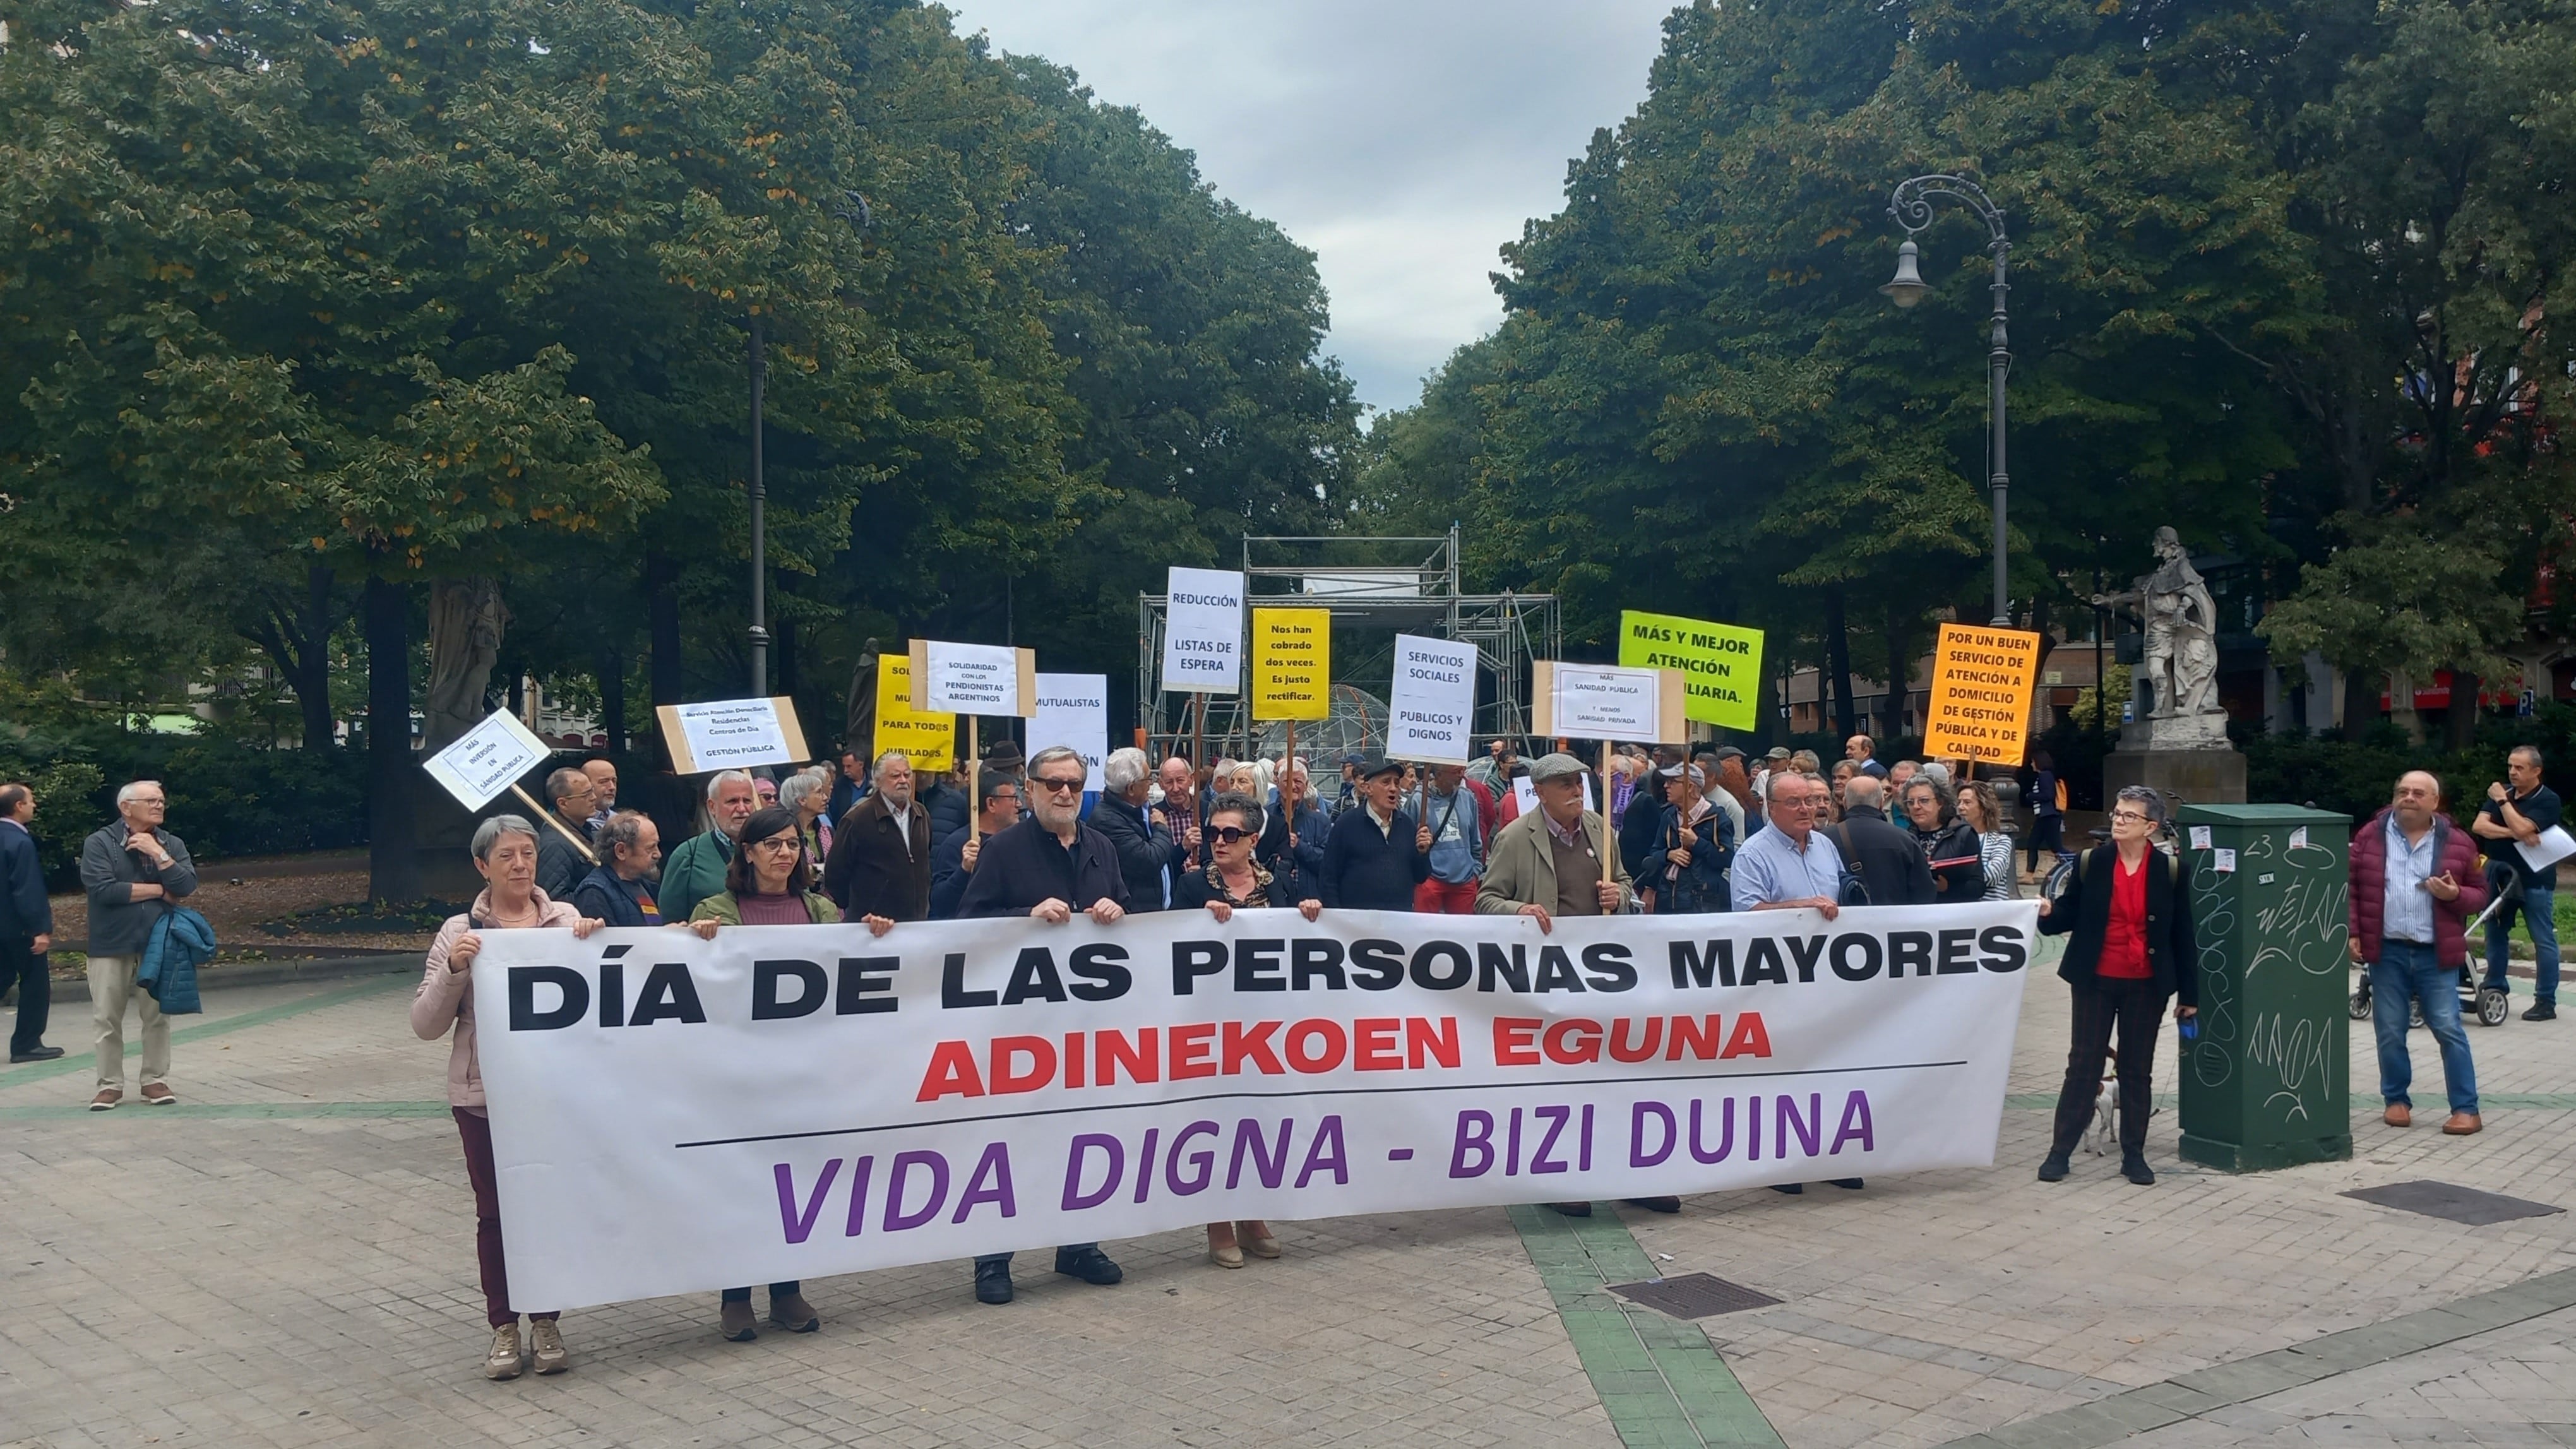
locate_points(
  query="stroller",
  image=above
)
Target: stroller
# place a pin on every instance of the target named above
(2489, 1005)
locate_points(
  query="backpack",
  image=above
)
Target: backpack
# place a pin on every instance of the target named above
(1855, 891)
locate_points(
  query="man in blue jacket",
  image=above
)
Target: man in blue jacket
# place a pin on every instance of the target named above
(26, 927)
(1378, 852)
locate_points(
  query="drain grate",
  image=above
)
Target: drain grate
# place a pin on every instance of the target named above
(1693, 1295)
(2453, 1203)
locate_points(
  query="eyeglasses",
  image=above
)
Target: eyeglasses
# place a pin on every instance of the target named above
(1227, 834)
(1058, 786)
(2134, 817)
(781, 843)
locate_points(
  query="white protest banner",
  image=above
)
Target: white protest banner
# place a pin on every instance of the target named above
(1073, 709)
(1600, 702)
(1431, 707)
(671, 1115)
(732, 734)
(1203, 632)
(486, 760)
(974, 679)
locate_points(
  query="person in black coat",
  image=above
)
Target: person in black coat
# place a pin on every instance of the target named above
(1049, 866)
(1378, 852)
(1147, 855)
(1886, 858)
(26, 927)
(1949, 844)
(560, 863)
(1640, 833)
(879, 864)
(953, 859)
(2127, 910)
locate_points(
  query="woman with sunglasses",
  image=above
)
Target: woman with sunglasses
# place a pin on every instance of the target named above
(1234, 881)
(770, 883)
(2129, 911)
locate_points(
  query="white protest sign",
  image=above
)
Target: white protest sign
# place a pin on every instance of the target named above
(973, 679)
(1203, 632)
(989, 1085)
(731, 734)
(486, 760)
(2553, 846)
(1431, 708)
(1603, 702)
(1525, 795)
(1073, 709)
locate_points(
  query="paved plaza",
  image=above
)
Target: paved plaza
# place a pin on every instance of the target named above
(287, 1260)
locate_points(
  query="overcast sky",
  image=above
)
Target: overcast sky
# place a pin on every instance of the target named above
(1402, 141)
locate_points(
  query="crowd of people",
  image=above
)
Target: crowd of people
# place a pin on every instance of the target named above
(877, 843)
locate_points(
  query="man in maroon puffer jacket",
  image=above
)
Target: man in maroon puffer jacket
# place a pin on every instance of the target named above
(2415, 884)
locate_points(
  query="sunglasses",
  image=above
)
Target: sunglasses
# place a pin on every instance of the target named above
(1227, 834)
(1057, 786)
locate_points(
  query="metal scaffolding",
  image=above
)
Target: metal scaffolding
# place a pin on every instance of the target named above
(1376, 588)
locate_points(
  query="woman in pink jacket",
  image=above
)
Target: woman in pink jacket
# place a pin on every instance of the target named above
(505, 851)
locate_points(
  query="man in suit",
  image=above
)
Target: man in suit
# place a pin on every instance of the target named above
(880, 860)
(1049, 867)
(26, 927)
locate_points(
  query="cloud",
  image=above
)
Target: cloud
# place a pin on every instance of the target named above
(1402, 142)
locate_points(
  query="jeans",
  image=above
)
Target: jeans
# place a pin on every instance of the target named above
(2047, 832)
(2535, 904)
(2405, 970)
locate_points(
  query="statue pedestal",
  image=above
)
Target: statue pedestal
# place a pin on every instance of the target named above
(2186, 754)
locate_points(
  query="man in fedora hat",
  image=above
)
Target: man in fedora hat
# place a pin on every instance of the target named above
(1378, 852)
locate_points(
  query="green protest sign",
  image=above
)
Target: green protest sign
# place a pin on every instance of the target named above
(1720, 662)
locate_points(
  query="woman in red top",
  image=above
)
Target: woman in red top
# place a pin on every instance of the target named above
(2129, 910)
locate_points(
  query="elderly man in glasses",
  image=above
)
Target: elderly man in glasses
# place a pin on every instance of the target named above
(1050, 867)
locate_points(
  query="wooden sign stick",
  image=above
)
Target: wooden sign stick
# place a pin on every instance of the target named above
(551, 818)
(1609, 859)
(974, 783)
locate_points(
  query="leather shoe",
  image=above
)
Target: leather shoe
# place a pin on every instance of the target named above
(2053, 1168)
(2134, 1167)
(40, 1054)
(1573, 1209)
(735, 1322)
(2543, 1011)
(1658, 1204)
(2462, 1124)
(992, 1282)
(794, 1314)
(2398, 1115)
(1850, 1182)
(1791, 1188)
(1090, 1265)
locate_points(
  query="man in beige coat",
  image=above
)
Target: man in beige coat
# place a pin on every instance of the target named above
(1548, 863)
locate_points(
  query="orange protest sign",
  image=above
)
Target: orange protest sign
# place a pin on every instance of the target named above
(1982, 681)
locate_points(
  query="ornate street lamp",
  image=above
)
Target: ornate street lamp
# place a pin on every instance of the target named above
(1912, 208)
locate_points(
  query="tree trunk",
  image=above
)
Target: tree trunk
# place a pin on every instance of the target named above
(662, 618)
(2460, 724)
(1838, 665)
(612, 697)
(313, 664)
(393, 859)
(1766, 711)
(2360, 701)
(1899, 680)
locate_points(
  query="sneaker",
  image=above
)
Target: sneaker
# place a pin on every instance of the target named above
(2133, 1166)
(1090, 1265)
(503, 1361)
(992, 1282)
(1791, 1188)
(2542, 1011)
(1850, 1182)
(2053, 1168)
(736, 1323)
(158, 1094)
(545, 1346)
(40, 1054)
(106, 1099)
(794, 1314)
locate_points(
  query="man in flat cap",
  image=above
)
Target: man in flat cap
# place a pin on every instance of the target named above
(1378, 852)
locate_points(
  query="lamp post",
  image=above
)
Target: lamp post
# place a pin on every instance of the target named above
(759, 522)
(1912, 208)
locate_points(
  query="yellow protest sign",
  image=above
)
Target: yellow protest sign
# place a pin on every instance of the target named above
(1721, 664)
(929, 737)
(1982, 680)
(1292, 663)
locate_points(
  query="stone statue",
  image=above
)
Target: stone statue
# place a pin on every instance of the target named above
(466, 618)
(859, 709)
(2181, 656)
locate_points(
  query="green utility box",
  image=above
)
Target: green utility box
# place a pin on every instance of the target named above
(2269, 1084)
